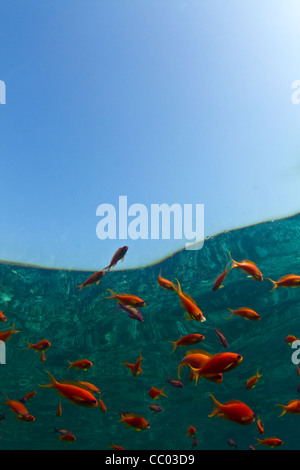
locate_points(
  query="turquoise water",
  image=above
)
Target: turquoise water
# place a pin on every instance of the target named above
(46, 304)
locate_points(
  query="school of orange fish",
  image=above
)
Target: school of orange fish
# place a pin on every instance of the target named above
(202, 364)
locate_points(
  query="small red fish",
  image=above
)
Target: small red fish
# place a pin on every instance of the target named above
(260, 426)
(135, 369)
(291, 280)
(246, 313)
(233, 410)
(113, 446)
(135, 421)
(43, 345)
(119, 255)
(191, 432)
(164, 283)
(270, 441)
(43, 357)
(27, 397)
(84, 364)
(155, 393)
(127, 299)
(19, 409)
(290, 339)
(59, 410)
(102, 406)
(249, 267)
(2, 317)
(94, 278)
(218, 282)
(67, 438)
(187, 340)
(193, 312)
(252, 381)
(293, 407)
(6, 335)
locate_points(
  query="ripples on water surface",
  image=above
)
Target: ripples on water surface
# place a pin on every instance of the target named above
(46, 304)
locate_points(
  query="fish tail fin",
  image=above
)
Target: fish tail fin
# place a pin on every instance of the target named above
(7, 400)
(113, 295)
(107, 267)
(12, 330)
(217, 406)
(29, 346)
(275, 285)
(234, 264)
(118, 308)
(80, 287)
(233, 313)
(259, 441)
(258, 374)
(179, 369)
(70, 365)
(284, 410)
(162, 392)
(52, 383)
(175, 345)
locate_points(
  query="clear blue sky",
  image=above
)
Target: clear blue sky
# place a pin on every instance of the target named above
(175, 101)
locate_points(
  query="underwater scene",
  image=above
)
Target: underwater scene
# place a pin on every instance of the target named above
(87, 340)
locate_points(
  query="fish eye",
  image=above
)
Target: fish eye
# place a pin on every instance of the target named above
(239, 356)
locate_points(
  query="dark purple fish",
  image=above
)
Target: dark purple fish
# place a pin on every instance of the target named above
(133, 313)
(155, 408)
(2, 417)
(232, 443)
(63, 432)
(175, 383)
(222, 338)
(195, 442)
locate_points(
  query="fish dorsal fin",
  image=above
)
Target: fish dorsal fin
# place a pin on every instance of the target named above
(198, 351)
(75, 384)
(131, 415)
(232, 402)
(287, 276)
(248, 262)
(189, 297)
(293, 401)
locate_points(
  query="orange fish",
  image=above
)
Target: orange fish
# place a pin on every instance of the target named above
(293, 407)
(290, 339)
(252, 381)
(2, 316)
(81, 364)
(94, 278)
(75, 394)
(187, 340)
(191, 431)
(249, 267)
(19, 409)
(134, 421)
(233, 410)
(260, 426)
(92, 388)
(246, 313)
(155, 393)
(218, 282)
(5, 335)
(269, 441)
(135, 369)
(102, 406)
(119, 255)
(67, 438)
(116, 447)
(127, 299)
(59, 410)
(27, 397)
(193, 312)
(42, 357)
(40, 346)
(164, 283)
(291, 280)
(217, 364)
